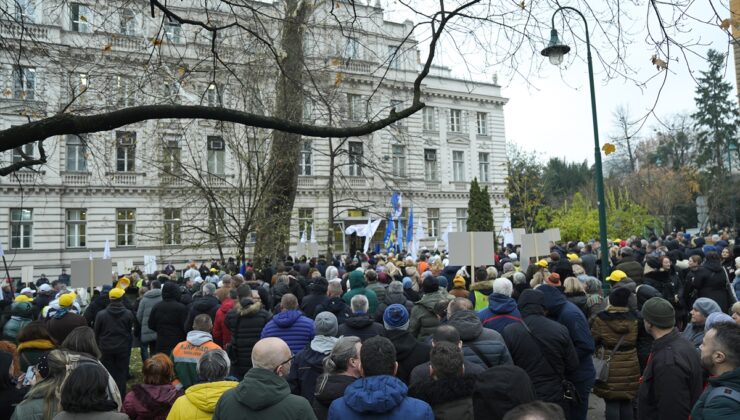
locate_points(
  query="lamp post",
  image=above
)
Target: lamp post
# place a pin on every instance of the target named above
(555, 51)
(731, 150)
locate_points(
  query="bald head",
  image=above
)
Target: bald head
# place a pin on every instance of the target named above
(268, 353)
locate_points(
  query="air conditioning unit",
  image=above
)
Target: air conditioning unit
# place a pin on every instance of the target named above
(215, 143)
(430, 155)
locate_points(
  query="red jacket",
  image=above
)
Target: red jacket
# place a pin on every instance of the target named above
(221, 334)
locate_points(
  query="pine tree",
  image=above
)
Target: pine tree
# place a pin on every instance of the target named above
(480, 214)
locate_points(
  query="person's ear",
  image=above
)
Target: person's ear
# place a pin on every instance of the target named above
(395, 368)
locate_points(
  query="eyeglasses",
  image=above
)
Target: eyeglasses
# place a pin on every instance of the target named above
(284, 363)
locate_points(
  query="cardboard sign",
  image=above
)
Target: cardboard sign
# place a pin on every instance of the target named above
(80, 272)
(480, 253)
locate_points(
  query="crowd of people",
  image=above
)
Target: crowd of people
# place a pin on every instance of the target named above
(389, 336)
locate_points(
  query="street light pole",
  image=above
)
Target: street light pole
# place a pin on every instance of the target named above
(555, 51)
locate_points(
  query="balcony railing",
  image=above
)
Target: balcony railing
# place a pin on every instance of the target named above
(23, 177)
(81, 178)
(14, 30)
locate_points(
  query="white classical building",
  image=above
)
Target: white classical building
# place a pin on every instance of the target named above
(146, 187)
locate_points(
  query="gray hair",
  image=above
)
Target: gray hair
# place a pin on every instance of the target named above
(331, 273)
(208, 289)
(338, 360)
(359, 303)
(335, 287)
(395, 287)
(213, 365)
(519, 278)
(226, 278)
(503, 286)
(592, 285)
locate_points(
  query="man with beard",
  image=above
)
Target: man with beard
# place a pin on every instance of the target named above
(720, 355)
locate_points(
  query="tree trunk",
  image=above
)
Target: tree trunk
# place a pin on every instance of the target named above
(274, 214)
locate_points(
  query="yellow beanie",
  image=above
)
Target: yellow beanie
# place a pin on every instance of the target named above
(116, 293)
(67, 300)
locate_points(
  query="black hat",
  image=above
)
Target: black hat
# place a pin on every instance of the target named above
(619, 297)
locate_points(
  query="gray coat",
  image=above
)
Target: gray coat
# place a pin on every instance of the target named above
(146, 305)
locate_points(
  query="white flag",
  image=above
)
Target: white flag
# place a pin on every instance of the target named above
(446, 233)
(303, 237)
(106, 250)
(370, 232)
(313, 234)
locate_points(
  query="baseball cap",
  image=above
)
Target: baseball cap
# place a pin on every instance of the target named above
(617, 275)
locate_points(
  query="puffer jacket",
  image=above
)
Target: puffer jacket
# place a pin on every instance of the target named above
(661, 281)
(146, 401)
(167, 319)
(718, 408)
(379, 289)
(199, 401)
(338, 307)
(150, 298)
(423, 321)
(580, 300)
(362, 326)
(710, 282)
(221, 334)
(485, 341)
(624, 367)
(479, 293)
(21, 313)
(450, 398)
(380, 396)
(501, 311)
(390, 299)
(246, 324)
(292, 327)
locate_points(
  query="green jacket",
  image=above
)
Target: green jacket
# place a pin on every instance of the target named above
(423, 321)
(719, 407)
(357, 287)
(32, 409)
(262, 395)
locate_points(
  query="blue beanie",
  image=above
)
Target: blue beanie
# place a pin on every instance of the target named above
(716, 318)
(706, 306)
(442, 281)
(407, 283)
(396, 317)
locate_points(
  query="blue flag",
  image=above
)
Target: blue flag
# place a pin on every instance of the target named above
(399, 236)
(387, 240)
(410, 227)
(396, 206)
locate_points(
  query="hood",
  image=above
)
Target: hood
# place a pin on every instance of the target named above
(356, 280)
(532, 302)
(197, 338)
(429, 300)
(645, 292)
(333, 388)
(323, 344)
(205, 303)
(485, 287)
(391, 298)
(501, 304)
(116, 308)
(554, 298)
(261, 389)
(714, 266)
(335, 305)
(467, 324)
(156, 395)
(206, 395)
(375, 395)
(286, 319)
(227, 305)
(403, 341)
(251, 309)
(170, 290)
(153, 294)
(359, 322)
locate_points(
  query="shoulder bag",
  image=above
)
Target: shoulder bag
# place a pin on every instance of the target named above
(601, 362)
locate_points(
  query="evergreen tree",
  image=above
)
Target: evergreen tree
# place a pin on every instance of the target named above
(480, 214)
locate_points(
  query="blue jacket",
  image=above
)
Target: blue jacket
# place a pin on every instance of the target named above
(379, 397)
(292, 327)
(501, 312)
(568, 314)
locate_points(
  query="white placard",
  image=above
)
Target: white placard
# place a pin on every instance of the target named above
(150, 264)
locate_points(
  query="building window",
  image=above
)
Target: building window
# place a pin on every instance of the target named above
(215, 223)
(483, 170)
(125, 91)
(338, 238)
(25, 10)
(394, 57)
(75, 153)
(398, 105)
(128, 22)
(455, 123)
(305, 221)
(432, 223)
(80, 16)
(430, 165)
(18, 152)
(173, 31)
(399, 160)
(355, 158)
(171, 163)
(458, 166)
(21, 228)
(125, 151)
(125, 227)
(482, 123)
(24, 83)
(212, 95)
(428, 115)
(216, 155)
(461, 216)
(352, 49)
(76, 228)
(356, 107)
(308, 107)
(172, 224)
(304, 165)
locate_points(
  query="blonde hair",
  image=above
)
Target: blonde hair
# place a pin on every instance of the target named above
(578, 269)
(573, 285)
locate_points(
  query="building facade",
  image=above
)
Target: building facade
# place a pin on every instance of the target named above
(180, 189)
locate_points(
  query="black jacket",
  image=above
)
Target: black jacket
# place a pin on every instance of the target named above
(337, 306)
(203, 305)
(498, 390)
(361, 326)
(307, 365)
(672, 381)
(113, 328)
(409, 352)
(661, 281)
(245, 324)
(328, 389)
(450, 398)
(167, 319)
(483, 346)
(97, 305)
(562, 267)
(390, 299)
(312, 302)
(710, 281)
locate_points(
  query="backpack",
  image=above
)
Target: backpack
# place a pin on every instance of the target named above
(722, 391)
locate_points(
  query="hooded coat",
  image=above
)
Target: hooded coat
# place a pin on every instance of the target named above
(481, 346)
(717, 407)
(357, 287)
(501, 311)
(362, 326)
(624, 367)
(308, 365)
(146, 304)
(450, 398)
(145, 402)
(262, 395)
(338, 307)
(113, 328)
(313, 300)
(710, 282)
(423, 321)
(203, 305)
(409, 353)
(168, 319)
(245, 324)
(328, 389)
(291, 326)
(199, 401)
(631, 267)
(59, 328)
(390, 299)
(494, 394)
(382, 397)
(221, 334)
(661, 281)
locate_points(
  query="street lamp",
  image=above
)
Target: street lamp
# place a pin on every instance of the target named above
(555, 51)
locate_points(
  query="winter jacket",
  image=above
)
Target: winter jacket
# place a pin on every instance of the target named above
(338, 307)
(185, 356)
(379, 289)
(146, 304)
(632, 286)
(33, 409)
(390, 299)
(423, 321)
(146, 402)
(246, 325)
(710, 282)
(262, 395)
(672, 381)
(167, 319)
(719, 407)
(580, 300)
(499, 389)
(588, 262)
(307, 365)
(694, 333)
(328, 389)
(644, 340)
(573, 319)
(481, 346)
(661, 281)
(501, 311)
(479, 293)
(543, 348)
(203, 305)
(199, 401)
(21, 314)
(421, 372)
(357, 287)
(292, 327)
(221, 334)
(113, 328)
(624, 367)
(409, 353)
(460, 291)
(59, 328)
(450, 398)
(313, 300)
(562, 267)
(96, 415)
(631, 268)
(381, 397)
(362, 326)
(29, 352)
(97, 305)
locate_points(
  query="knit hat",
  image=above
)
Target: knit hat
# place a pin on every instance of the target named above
(407, 283)
(326, 324)
(553, 279)
(716, 318)
(442, 280)
(617, 275)
(383, 277)
(116, 293)
(619, 297)
(659, 312)
(706, 306)
(459, 281)
(66, 300)
(430, 285)
(396, 317)
(508, 267)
